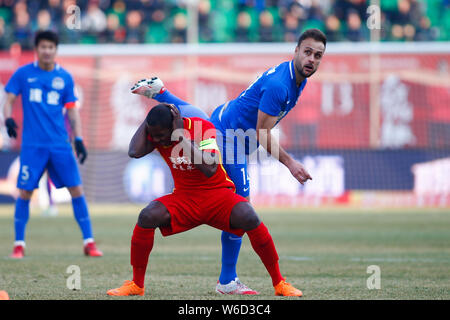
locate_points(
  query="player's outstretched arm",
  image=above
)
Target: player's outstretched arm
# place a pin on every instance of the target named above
(139, 144)
(263, 130)
(10, 124)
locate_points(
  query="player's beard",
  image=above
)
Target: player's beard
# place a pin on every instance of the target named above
(304, 74)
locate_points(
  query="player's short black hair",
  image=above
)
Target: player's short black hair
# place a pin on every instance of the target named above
(315, 34)
(46, 35)
(160, 116)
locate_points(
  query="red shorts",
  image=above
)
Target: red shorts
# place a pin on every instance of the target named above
(190, 209)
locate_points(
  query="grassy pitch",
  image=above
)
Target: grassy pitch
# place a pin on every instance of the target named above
(325, 253)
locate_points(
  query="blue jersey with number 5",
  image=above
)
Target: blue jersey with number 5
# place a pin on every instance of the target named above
(44, 95)
(275, 92)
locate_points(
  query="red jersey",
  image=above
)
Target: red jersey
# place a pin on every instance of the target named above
(185, 175)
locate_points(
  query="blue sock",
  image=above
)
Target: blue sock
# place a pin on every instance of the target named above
(168, 97)
(81, 214)
(21, 216)
(231, 244)
(186, 110)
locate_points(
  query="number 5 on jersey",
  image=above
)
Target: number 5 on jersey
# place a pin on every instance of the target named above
(24, 173)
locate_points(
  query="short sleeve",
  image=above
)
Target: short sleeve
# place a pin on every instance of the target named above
(274, 95)
(69, 93)
(14, 84)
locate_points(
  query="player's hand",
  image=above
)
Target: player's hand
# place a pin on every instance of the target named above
(80, 150)
(177, 123)
(11, 127)
(299, 172)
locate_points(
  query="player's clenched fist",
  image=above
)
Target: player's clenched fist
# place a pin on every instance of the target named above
(11, 127)
(80, 150)
(299, 172)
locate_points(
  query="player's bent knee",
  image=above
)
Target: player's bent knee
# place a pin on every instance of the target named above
(243, 216)
(76, 191)
(25, 194)
(153, 216)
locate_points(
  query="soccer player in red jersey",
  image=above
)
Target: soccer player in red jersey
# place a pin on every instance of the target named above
(203, 194)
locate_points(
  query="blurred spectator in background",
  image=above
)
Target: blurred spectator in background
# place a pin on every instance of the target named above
(135, 30)
(291, 28)
(242, 32)
(298, 11)
(114, 32)
(204, 15)
(265, 27)
(44, 21)
(342, 8)
(22, 27)
(6, 36)
(55, 10)
(424, 31)
(315, 12)
(355, 30)
(333, 28)
(119, 8)
(178, 33)
(94, 20)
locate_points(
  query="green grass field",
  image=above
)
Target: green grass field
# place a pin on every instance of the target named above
(323, 252)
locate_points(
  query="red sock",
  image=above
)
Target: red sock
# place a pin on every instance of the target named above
(141, 246)
(263, 245)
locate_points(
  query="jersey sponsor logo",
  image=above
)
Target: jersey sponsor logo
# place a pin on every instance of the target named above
(30, 80)
(58, 83)
(35, 95)
(178, 162)
(53, 98)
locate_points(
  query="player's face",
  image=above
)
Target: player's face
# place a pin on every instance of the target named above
(160, 135)
(46, 52)
(308, 56)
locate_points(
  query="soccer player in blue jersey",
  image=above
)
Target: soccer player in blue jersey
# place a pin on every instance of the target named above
(46, 89)
(246, 122)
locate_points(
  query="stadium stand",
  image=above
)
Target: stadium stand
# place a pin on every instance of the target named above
(158, 21)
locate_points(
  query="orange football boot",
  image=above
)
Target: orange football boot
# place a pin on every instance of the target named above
(129, 288)
(286, 289)
(4, 295)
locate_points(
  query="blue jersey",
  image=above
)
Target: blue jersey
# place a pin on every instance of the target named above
(275, 92)
(44, 95)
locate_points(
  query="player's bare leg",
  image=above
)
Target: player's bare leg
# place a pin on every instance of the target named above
(81, 215)
(151, 217)
(244, 217)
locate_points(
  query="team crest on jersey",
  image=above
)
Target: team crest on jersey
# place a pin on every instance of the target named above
(58, 83)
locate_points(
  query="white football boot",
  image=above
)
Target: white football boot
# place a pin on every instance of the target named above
(149, 87)
(234, 287)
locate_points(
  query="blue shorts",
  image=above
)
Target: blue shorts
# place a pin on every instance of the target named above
(60, 163)
(234, 157)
